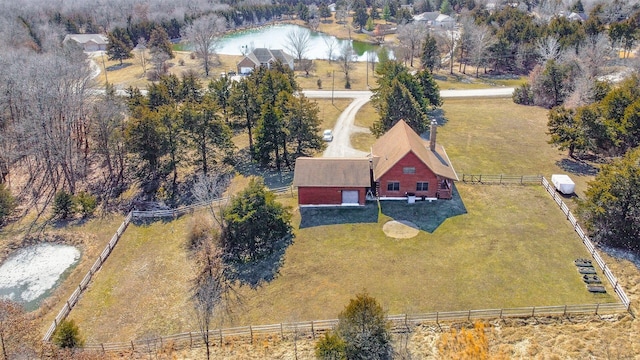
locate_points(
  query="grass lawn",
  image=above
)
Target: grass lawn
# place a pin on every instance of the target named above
(143, 289)
(493, 136)
(495, 253)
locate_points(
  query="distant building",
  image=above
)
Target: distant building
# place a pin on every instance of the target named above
(89, 42)
(401, 165)
(444, 21)
(427, 17)
(577, 17)
(263, 57)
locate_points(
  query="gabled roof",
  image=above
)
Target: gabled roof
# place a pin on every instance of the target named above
(396, 143)
(85, 38)
(426, 16)
(329, 172)
(265, 56)
(443, 18)
(282, 56)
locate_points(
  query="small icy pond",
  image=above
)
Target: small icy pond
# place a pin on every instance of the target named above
(31, 273)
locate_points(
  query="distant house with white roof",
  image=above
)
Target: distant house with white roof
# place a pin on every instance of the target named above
(427, 17)
(263, 57)
(444, 21)
(89, 42)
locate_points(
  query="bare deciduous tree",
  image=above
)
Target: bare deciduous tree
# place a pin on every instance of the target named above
(204, 34)
(207, 189)
(141, 54)
(298, 43)
(211, 289)
(594, 56)
(346, 60)
(411, 36)
(447, 41)
(332, 46)
(548, 48)
(481, 40)
(107, 133)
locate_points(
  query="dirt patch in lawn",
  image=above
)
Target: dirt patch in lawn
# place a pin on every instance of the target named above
(400, 229)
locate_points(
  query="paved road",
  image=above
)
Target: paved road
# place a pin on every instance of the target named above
(341, 144)
(352, 94)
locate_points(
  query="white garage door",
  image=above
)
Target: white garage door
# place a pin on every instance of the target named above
(350, 196)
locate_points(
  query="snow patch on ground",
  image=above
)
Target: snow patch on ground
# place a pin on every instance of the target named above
(32, 272)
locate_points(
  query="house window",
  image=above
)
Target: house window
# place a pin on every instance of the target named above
(408, 170)
(422, 186)
(393, 186)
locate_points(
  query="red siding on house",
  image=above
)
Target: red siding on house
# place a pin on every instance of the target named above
(326, 195)
(408, 181)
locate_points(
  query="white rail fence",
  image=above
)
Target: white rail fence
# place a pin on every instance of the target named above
(587, 243)
(400, 323)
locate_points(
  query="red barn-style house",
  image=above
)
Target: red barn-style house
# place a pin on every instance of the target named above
(401, 166)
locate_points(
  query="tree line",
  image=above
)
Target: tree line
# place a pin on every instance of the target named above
(180, 125)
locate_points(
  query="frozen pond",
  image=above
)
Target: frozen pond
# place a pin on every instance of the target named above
(30, 274)
(275, 37)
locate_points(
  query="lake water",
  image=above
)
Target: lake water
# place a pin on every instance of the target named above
(275, 37)
(31, 273)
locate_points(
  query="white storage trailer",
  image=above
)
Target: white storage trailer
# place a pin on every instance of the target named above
(563, 183)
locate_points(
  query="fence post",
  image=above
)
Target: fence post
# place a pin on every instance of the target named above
(220, 330)
(597, 307)
(251, 334)
(565, 310)
(406, 323)
(190, 340)
(500, 179)
(437, 322)
(132, 347)
(313, 333)
(501, 313)
(533, 312)
(469, 316)
(102, 346)
(281, 332)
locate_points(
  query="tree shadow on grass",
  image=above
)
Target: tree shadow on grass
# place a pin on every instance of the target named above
(426, 215)
(577, 167)
(272, 178)
(318, 216)
(257, 272)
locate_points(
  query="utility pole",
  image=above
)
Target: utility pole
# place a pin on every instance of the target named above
(105, 70)
(367, 54)
(333, 85)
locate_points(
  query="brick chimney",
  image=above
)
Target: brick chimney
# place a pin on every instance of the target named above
(432, 135)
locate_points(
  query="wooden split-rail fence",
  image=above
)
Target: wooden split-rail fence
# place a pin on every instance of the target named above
(319, 326)
(399, 323)
(134, 214)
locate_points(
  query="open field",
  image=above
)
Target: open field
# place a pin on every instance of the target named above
(494, 136)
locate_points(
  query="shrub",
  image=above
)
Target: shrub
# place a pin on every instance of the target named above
(7, 203)
(67, 335)
(330, 347)
(363, 327)
(201, 230)
(86, 203)
(523, 95)
(63, 205)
